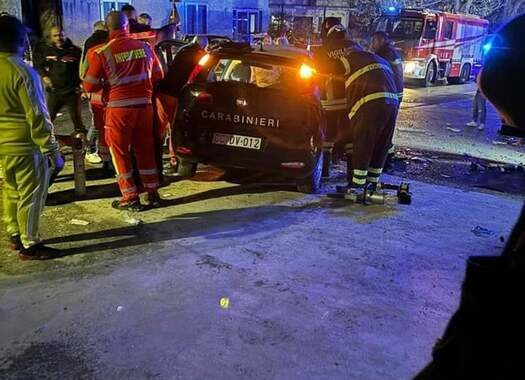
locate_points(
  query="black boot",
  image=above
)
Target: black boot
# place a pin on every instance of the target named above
(38, 252)
(16, 243)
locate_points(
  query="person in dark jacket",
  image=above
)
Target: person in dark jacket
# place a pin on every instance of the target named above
(372, 104)
(167, 95)
(100, 36)
(382, 46)
(333, 101)
(58, 61)
(98, 150)
(134, 25)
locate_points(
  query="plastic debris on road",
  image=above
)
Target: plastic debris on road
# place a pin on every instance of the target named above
(78, 222)
(482, 232)
(120, 308)
(411, 130)
(224, 303)
(132, 221)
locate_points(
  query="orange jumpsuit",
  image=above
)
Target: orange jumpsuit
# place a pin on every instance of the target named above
(128, 68)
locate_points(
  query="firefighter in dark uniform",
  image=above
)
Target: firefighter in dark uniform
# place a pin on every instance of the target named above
(382, 46)
(372, 104)
(333, 102)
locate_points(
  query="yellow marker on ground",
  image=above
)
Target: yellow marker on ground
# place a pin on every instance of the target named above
(225, 302)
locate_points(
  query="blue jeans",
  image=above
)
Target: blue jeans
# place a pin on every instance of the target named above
(479, 108)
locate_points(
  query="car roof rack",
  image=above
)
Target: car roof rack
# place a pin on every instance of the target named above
(234, 47)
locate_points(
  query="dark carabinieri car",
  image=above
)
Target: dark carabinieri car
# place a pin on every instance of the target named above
(253, 108)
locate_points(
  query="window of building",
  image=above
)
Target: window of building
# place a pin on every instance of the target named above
(196, 21)
(107, 6)
(447, 30)
(247, 21)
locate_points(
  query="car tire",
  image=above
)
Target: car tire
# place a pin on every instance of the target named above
(187, 169)
(312, 183)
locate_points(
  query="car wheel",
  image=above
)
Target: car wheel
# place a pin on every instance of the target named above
(187, 169)
(430, 78)
(312, 183)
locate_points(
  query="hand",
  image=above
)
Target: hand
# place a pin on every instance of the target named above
(47, 82)
(56, 162)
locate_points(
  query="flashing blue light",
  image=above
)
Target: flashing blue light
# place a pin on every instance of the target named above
(391, 8)
(487, 47)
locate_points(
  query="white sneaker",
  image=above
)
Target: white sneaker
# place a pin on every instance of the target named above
(93, 158)
(472, 124)
(481, 127)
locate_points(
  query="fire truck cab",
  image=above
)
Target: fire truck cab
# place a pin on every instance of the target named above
(436, 45)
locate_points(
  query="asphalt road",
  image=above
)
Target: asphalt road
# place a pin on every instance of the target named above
(252, 280)
(435, 118)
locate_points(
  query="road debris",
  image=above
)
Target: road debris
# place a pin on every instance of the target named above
(78, 222)
(419, 159)
(411, 130)
(482, 232)
(120, 308)
(224, 303)
(455, 130)
(133, 221)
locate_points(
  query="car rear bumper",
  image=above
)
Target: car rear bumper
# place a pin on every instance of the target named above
(295, 161)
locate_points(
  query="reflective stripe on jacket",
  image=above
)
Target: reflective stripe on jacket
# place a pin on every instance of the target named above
(128, 67)
(368, 78)
(95, 98)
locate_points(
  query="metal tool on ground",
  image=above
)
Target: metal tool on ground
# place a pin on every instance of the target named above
(371, 194)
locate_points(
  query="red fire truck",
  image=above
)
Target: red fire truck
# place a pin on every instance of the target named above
(436, 45)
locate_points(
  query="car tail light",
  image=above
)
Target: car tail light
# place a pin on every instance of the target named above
(204, 60)
(293, 165)
(198, 69)
(306, 72)
(183, 150)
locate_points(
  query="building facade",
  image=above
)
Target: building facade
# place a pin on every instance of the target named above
(304, 17)
(234, 18)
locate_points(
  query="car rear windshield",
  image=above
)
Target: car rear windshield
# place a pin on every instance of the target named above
(252, 71)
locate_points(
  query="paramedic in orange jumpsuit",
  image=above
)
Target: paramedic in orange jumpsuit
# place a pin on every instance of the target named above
(129, 69)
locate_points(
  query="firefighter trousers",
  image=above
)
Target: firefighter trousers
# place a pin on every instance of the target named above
(130, 129)
(99, 112)
(26, 180)
(336, 123)
(372, 129)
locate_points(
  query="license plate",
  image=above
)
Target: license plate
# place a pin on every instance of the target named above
(237, 140)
